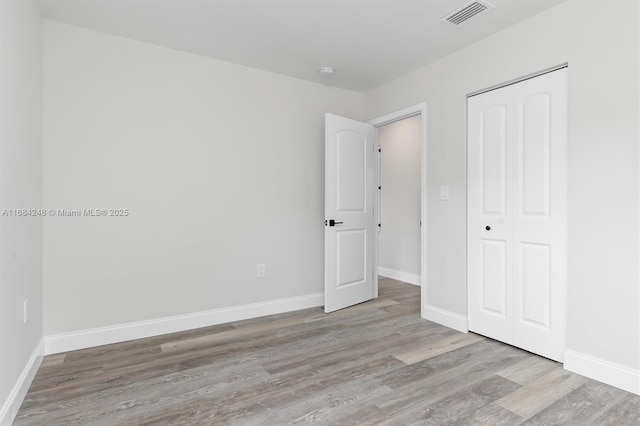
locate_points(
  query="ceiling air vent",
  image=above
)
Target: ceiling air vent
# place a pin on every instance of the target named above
(467, 12)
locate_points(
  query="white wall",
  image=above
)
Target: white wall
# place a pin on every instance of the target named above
(221, 167)
(599, 40)
(20, 188)
(399, 239)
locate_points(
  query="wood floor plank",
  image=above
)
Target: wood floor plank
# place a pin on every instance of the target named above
(539, 394)
(439, 347)
(323, 406)
(442, 365)
(581, 406)
(490, 415)
(330, 376)
(459, 407)
(52, 361)
(361, 415)
(432, 388)
(626, 412)
(342, 347)
(120, 402)
(529, 370)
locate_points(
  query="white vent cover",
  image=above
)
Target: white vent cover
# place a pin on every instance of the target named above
(467, 12)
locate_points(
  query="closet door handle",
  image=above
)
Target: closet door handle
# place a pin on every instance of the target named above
(488, 228)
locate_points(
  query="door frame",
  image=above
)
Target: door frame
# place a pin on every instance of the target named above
(419, 109)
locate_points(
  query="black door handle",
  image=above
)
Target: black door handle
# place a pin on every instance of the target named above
(488, 228)
(333, 222)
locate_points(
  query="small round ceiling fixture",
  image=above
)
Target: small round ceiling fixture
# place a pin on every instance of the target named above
(326, 71)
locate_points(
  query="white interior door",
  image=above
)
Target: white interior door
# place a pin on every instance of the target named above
(517, 205)
(349, 212)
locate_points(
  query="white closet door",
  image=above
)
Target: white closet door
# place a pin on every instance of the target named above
(489, 220)
(517, 195)
(540, 211)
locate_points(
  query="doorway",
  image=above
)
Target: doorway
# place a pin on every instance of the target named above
(383, 124)
(399, 200)
(351, 208)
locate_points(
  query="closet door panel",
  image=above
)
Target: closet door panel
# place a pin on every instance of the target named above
(489, 224)
(540, 205)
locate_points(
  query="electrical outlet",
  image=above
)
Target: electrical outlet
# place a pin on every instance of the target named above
(262, 270)
(25, 312)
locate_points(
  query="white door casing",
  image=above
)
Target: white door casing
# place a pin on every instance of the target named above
(349, 202)
(517, 183)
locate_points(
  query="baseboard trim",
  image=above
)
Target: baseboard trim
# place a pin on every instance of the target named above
(137, 330)
(603, 371)
(399, 275)
(446, 318)
(12, 405)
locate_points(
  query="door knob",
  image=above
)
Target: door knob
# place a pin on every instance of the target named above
(488, 228)
(333, 222)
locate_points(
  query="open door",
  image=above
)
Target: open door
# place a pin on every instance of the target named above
(349, 212)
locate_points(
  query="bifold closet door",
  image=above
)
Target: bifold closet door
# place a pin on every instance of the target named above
(517, 195)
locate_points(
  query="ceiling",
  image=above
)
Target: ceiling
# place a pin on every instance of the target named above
(368, 42)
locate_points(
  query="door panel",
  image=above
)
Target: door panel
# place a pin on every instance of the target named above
(349, 203)
(489, 227)
(534, 152)
(352, 265)
(351, 159)
(493, 163)
(494, 277)
(540, 227)
(535, 278)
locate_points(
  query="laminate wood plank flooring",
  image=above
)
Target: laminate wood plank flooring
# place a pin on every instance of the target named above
(376, 363)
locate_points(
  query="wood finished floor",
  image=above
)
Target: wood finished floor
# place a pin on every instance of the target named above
(374, 363)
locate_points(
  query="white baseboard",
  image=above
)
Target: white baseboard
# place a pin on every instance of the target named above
(16, 397)
(399, 275)
(603, 371)
(137, 330)
(446, 318)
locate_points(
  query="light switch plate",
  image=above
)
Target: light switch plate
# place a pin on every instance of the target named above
(444, 193)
